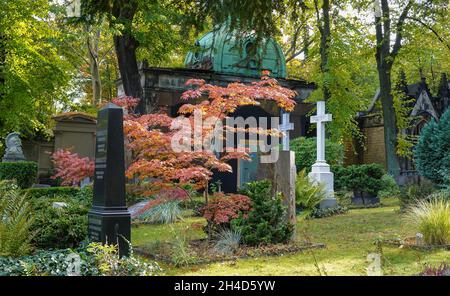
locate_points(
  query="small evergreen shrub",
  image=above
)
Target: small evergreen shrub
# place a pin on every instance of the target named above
(339, 172)
(305, 152)
(390, 187)
(363, 178)
(264, 224)
(432, 152)
(59, 228)
(25, 172)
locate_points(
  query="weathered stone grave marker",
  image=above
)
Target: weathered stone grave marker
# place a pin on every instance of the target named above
(286, 172)
(109, 218)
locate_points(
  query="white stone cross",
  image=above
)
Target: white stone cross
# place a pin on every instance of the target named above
(285, 127)
(320, 120)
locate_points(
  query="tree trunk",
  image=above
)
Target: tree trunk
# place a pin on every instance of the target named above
(390, 125)
(324, 45)
(92, 44)
(126, 46)
(2, 64)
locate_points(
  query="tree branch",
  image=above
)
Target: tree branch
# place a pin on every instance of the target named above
(295, 54)
(399, 27)
(442, 40)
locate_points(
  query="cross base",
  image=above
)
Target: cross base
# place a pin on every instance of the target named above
(320, 173)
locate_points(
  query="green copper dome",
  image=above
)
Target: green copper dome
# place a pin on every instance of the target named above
(226, 52)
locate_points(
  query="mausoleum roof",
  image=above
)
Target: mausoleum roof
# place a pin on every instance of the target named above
(225, 51)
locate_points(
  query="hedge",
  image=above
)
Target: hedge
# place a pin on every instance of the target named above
(24, 172)
(51, 192)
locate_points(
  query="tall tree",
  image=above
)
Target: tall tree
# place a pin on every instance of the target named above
(387, 52)
(33, 75)
(385, 57)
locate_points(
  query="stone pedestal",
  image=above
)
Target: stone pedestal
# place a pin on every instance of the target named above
(320, 173)
(284, 181)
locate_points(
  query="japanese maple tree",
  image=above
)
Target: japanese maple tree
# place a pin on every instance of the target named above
(149, 137)
(70, 167)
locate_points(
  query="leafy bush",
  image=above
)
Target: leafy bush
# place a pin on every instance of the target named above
(95, 260)
(163, 213)
(390, 187)
(265, 223)
(15, 221)
(85, 196)
(227, 241)
(51, 192)
(363, 178)
(432, 152)
(221, 209)
(308, 195)
(24, 172)
(432, 219)
(59, 228)
(339, 173)
(305, 152)
(328, 212)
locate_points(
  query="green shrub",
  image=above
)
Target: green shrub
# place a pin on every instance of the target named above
(15, 221)
(305, 152)
(390, 187)
(432, 219)
(432, 152)
(363, 178)
(25, 172)
(308, 195)
(59, 228)
(339, 172)
(265, 223)
(52, 192)
(85, 196)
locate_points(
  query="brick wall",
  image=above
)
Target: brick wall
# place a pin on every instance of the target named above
(374, 145)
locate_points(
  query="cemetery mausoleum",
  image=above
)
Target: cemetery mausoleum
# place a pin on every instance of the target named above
(222, 57)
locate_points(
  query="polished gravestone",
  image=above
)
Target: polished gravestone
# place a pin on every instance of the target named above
(109, 218)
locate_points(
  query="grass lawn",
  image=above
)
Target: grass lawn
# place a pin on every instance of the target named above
(348, 238)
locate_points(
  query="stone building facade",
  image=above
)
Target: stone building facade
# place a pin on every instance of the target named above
(423, 106)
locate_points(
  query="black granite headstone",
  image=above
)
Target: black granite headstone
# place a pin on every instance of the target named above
(109, 219)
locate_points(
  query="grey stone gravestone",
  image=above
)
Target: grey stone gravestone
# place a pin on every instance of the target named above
(13, 151)
(109, 218)
(285, 173)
